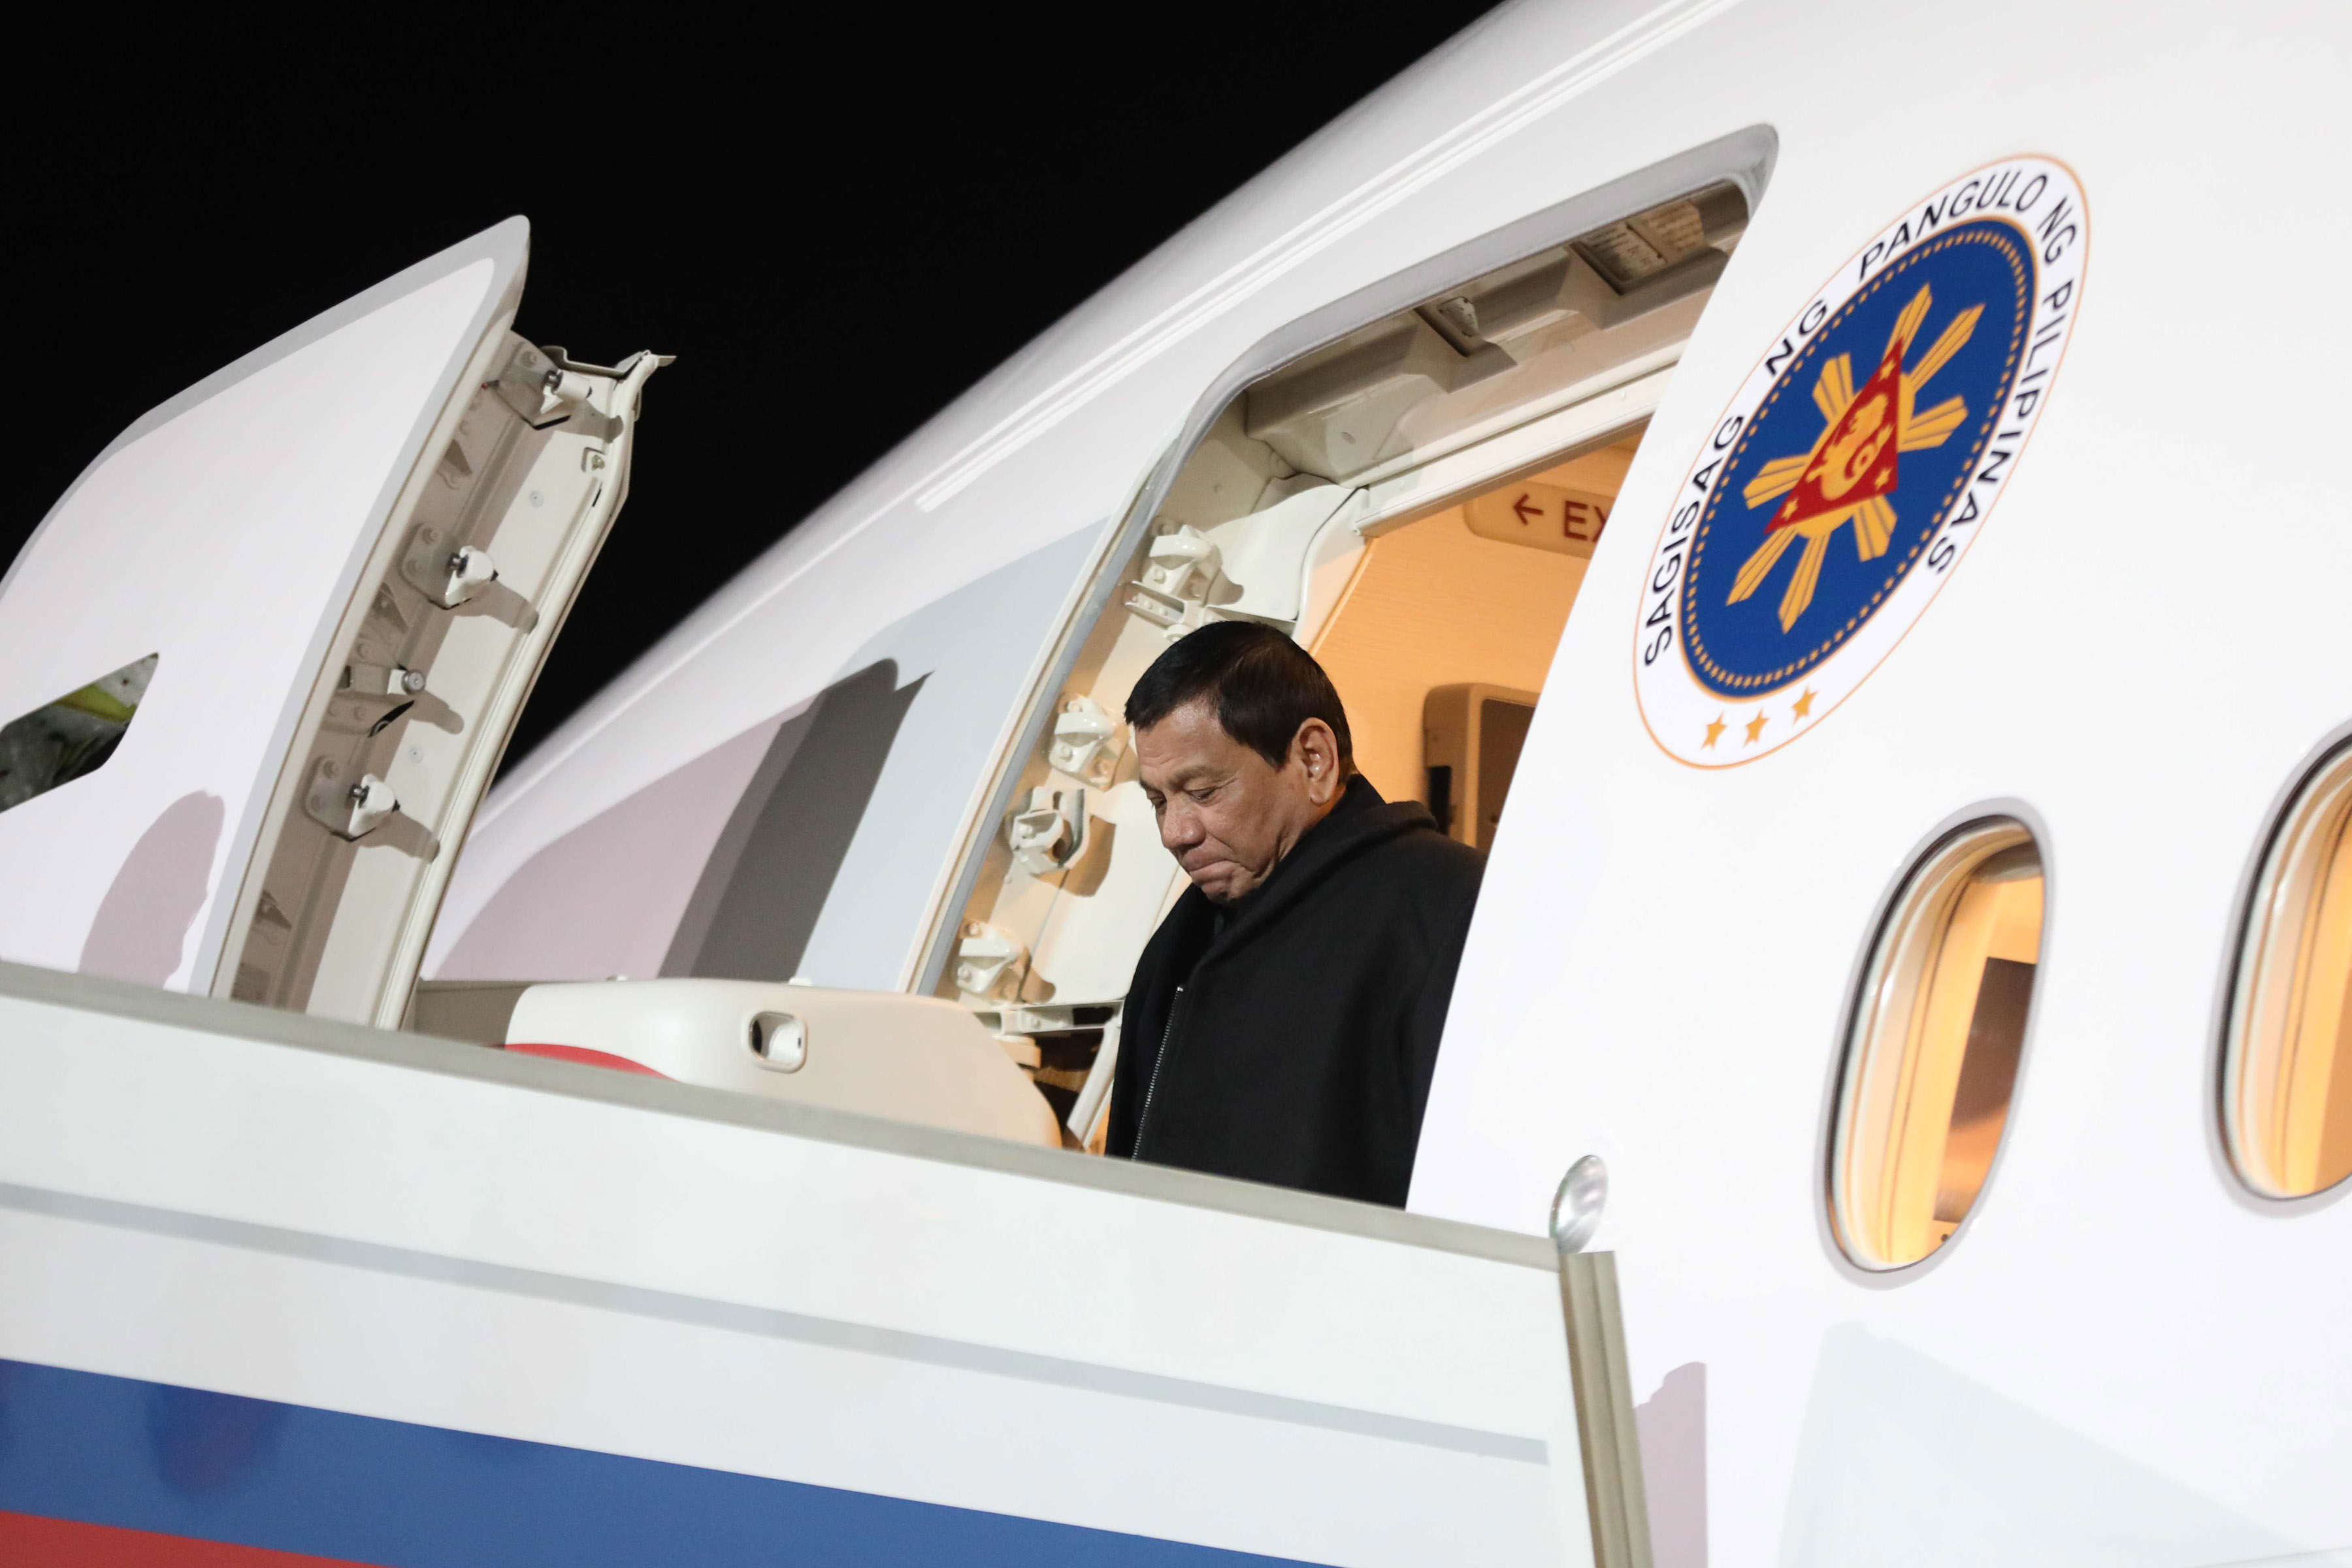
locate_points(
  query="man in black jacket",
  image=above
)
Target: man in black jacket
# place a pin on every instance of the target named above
(1284, 1020)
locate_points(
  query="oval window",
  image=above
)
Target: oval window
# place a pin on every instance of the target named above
(2287, 1090)
(1938, 1026)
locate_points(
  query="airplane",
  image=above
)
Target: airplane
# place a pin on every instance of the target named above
(1887, 1111)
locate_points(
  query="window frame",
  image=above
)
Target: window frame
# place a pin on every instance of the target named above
(2325, 767)
(32, 716)
(1886, 913)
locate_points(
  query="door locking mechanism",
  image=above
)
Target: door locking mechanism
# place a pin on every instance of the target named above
(1050, 832)
(464, 581)
(1178, 574)
(364, 809)
(379, 694)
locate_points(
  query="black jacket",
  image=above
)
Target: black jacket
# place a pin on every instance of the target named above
(1295, 1044)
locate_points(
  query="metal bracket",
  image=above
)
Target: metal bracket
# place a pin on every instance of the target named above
(985, 957)
(395, 692)
(1084, 740)
(1050, 832)
(463, 580)
(1180, 571)
(547, 389)
(365, 807)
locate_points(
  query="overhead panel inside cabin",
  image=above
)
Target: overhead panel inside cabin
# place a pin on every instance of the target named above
(1343, 410)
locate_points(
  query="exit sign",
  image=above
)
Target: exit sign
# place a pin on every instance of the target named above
(1549, 517)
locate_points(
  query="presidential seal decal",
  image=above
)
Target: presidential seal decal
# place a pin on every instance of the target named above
(1858, 464)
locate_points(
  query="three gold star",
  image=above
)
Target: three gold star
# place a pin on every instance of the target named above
(1799, 711)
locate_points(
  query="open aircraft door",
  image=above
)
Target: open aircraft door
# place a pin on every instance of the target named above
(257, 666)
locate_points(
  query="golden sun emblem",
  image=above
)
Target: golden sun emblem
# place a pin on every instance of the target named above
(1852, 469)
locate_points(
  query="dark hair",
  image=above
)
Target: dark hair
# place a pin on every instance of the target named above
(1262, 686)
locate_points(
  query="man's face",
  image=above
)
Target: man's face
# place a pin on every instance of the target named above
(1225, 813)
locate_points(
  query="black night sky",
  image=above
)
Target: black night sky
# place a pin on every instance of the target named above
(901, 199)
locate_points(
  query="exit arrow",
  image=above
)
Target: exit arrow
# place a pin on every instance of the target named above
(1528, 512)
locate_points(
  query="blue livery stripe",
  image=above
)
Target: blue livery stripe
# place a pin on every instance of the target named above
(288, 1478)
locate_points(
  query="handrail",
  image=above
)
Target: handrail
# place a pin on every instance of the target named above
(1605, 1429)
(420, 1053)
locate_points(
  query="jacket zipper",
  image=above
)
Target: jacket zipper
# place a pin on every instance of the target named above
(1151, 1084)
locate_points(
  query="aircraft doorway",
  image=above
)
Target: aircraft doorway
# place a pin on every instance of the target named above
(1436, 618)
(1415, 503)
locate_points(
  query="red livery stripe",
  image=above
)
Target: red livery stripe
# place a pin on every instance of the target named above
(583, 1054)
(28, 1541)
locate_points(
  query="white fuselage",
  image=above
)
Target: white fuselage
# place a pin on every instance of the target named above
(2121, 1357)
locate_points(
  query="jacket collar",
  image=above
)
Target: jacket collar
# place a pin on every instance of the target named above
(1360, 820)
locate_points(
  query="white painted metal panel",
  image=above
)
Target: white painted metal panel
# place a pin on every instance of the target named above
(1060, 437)
(446, 1236)
(224, 531)
(2121, 1358)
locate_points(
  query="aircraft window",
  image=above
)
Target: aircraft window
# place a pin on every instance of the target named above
(60, 741)
(1415, 503)
(2286, 1092)
(1939, 1028)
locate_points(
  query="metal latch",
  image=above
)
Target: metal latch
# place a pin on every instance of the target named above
(1178, 572)
(1082, 741)
(365, 807)
(983, 957)
(547, 389)
(390, 692)
(463, 579)
(1050, 832)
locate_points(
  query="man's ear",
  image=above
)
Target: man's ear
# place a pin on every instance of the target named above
(1316, 749)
